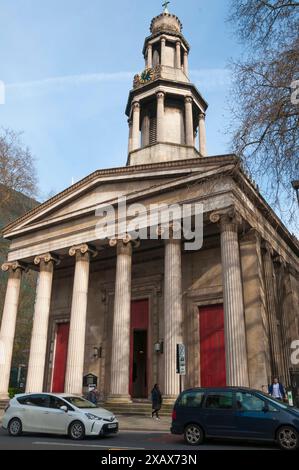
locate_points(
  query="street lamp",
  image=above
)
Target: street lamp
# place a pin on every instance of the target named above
(295, 185)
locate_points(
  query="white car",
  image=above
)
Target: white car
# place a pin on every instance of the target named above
(53, 413)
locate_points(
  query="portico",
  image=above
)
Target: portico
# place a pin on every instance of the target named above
(132, 300)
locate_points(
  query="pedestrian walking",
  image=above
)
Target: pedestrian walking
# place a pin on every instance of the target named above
(276, 390)
(93, 396)
(156, 401)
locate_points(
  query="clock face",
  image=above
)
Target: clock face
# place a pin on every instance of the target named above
(146, 76)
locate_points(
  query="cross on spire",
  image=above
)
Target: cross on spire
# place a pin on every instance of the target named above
(165, 5)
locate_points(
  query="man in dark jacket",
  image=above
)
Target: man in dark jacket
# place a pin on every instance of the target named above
(276, 390)
(156, 401)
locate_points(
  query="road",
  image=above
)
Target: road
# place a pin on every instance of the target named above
(125, 440)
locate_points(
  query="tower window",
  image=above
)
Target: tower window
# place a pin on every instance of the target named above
(156, 58)
(153, 131)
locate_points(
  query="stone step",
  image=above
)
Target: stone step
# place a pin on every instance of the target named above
(136, 408)
(3, 404)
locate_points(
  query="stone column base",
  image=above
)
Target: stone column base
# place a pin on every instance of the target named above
(118, 399)
(4, 401)
(169, 399)
(4, 396)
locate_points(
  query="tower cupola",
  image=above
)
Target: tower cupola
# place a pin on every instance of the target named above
(165, 110)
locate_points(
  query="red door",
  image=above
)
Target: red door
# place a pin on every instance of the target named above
(212, 346)
(62, 336)
(139, 351)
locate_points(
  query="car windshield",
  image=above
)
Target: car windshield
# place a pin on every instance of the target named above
(276, 402)
(80, 402)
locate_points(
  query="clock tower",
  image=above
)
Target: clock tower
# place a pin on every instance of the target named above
(166, 112)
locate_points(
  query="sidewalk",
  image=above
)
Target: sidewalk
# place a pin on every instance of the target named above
(136, 423)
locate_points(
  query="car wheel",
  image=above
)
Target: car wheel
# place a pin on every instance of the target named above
(77, 431)
(193, 435)
(288, 438)
(15, 427)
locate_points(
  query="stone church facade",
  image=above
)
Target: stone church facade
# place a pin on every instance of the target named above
(117, 307)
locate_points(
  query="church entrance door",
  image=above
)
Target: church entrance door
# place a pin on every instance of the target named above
(60, 357)
(139, 350)
(212, 346)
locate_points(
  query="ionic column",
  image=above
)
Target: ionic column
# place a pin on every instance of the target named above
(178, 55)
(189, 121)
(234, 320)
(173, 316)
(202, 135)
(130, 123)
(149, 56)
(163, 50)
(160, 116)
(136, 126)
(270, 283)
(76, 344)
(8, 324)
(38, 347)
(120, 360)
(186, 65)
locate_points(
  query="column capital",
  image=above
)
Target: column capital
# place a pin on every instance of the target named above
(14, 266)
(82, 249)
(124, 239)
(229, 220)
(163, 39)
(160, 95)
(202, 116)
(250, 235)
(173, 230)
(46, 258)
(188, 99)
(268, 248)
(135, 105)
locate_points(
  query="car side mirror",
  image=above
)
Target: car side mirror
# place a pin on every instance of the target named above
(64, 408)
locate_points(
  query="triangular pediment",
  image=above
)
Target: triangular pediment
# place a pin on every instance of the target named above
(106, 186)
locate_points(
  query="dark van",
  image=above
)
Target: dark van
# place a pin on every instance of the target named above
(234, 413)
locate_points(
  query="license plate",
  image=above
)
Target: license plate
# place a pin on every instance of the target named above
(112, 426)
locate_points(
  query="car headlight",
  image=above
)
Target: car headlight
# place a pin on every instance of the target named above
(93, 417)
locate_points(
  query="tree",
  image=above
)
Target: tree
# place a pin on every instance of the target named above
(18, 185)
(265, 105)
(17, 168)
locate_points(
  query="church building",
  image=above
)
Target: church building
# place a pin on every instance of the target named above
(117, 307)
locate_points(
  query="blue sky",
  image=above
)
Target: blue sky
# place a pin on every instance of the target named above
(68, 66)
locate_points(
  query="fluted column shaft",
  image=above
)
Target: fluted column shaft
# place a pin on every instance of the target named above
(8, 324)
(149, 56)
(120, 361)
(234, 320)
(272, 311)
(160, 116)
(38, 346)
(202, 135)
(136, 127)
(189, 121)
(178, 55)
(173, 315)
(76, 344)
